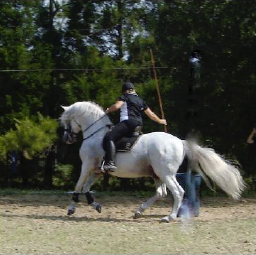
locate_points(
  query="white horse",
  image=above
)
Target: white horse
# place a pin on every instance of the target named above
(157, 155)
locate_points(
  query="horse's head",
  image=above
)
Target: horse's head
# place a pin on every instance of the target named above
(71, 126)
(87, 117)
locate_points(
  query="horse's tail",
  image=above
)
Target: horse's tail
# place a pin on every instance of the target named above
(210, 164)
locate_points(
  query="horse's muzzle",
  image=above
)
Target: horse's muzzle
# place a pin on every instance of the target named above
(68, 138)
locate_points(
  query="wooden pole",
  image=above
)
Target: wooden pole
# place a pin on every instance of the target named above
(157, 87)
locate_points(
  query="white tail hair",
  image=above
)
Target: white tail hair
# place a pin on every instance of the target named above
(221, 171)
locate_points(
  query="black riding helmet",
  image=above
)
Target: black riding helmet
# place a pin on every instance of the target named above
(127, 86)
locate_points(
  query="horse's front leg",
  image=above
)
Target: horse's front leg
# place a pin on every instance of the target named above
(86, 190)
(72, 206)
(85, 172)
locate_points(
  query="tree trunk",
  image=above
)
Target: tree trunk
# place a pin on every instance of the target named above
(24, 171)
(49, 168)
(120, 30)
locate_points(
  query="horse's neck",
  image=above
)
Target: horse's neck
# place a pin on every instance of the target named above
(91, 125)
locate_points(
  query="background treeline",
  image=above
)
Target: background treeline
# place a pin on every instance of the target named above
(55, 53)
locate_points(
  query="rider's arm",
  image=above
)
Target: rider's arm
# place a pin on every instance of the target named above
(154, 117)
(250, 138)
(116, 106)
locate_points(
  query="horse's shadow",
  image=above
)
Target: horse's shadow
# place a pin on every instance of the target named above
(66, 218)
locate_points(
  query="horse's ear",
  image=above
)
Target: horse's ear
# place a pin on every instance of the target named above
(64, 107)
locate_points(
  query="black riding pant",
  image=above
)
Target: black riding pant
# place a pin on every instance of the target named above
(122, 129)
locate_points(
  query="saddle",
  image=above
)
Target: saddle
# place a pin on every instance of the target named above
(126, 143)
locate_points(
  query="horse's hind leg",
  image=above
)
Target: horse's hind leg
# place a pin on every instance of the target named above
(177, 192)
(160, 192)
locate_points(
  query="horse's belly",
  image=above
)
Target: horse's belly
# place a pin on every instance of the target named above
(131, 173)
(132, 166)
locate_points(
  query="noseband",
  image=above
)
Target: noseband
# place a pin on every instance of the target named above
(69, 137)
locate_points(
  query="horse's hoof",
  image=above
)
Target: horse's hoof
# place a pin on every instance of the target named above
(137, 215)
(98, 208)
(70, 212)
(165, 219)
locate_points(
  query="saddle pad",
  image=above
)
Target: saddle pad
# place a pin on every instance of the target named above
(126, 143)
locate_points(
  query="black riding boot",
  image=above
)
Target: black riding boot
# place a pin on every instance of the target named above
(109, 164)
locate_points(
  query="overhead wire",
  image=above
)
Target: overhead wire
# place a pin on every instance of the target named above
(80, 69)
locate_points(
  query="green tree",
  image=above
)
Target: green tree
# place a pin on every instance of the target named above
(223, 32)
(68, 51)
(29, 139)
(17, 31)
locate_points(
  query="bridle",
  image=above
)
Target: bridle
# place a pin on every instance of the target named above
(73, 135)
(69, 136)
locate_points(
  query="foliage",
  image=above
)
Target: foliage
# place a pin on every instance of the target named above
(30, 137)
(55, 53)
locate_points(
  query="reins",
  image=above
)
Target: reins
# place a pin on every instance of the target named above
(94, 122)
(73, 135)
(96, 132)
(109, 125)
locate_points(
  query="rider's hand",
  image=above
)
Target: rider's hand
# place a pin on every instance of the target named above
(163, 121)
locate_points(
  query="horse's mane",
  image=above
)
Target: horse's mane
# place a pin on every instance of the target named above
(80, 108)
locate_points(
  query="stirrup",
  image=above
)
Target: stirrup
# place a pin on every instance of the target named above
(109, 167)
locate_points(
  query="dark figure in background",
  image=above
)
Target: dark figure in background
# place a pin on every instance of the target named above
(252, 137)
(132, 107)
(251, 140)
(194, 78)
(195, 64)
(189, 181)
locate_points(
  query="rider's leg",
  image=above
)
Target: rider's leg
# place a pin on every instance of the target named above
(110, 156)
(117, 132)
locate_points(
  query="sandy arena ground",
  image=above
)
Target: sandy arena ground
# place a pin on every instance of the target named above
(38, 224)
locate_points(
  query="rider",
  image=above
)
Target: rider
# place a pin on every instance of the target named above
(132, 106)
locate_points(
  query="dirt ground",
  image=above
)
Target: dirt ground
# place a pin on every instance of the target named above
(38, 224)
